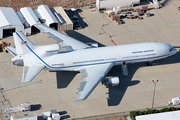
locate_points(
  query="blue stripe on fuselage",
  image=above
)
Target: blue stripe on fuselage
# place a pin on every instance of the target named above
(85, 64)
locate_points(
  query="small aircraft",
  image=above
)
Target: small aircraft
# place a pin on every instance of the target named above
(93, 63)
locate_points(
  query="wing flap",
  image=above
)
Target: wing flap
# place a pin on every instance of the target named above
(30, 72)
(54, 37)
(92, 76)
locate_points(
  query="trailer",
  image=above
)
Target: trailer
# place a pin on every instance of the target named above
(26, 116)
(51, 115)
(176, 101)
(24, 106)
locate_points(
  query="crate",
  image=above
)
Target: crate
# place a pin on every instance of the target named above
(99, 11)
(119, 22)
(145, 7)
(147, 14)
(138, 10)
(139, 18)
(178, 8)
(132, 17)
(115, 17)
(140, 13)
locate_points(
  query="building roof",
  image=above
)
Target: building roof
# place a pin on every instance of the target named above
(46, 14)
(174, 115)
(61, 14)
(30, 16)
(22, 19)
(26, 115)
(8, 17)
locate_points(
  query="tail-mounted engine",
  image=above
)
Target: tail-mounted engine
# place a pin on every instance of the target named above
(18, 62)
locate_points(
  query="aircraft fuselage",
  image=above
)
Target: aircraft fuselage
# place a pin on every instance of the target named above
(131, 53)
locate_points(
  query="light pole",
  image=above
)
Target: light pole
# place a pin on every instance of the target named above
(154, 93)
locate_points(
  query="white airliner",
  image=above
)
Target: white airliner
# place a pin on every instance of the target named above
(92, 63)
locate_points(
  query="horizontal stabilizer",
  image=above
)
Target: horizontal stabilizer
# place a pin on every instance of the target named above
(12, 50)
(30, 72)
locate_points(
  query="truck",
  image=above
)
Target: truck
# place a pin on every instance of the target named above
(23, 106)
(51, 115)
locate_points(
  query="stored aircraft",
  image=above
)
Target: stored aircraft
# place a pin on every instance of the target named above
(93, 63)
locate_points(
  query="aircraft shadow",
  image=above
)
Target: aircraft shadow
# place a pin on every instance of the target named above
(83, 24)
(116, 93)
(169, 60)
(81, 37)
(64, 78)
(166, 3)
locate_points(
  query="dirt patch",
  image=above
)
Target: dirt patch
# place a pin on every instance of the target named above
(17, 4)
(117, 118)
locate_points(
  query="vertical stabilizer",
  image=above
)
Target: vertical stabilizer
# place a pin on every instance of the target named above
(22, 43)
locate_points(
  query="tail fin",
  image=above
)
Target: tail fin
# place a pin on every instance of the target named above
(23, 46)
(22, 43)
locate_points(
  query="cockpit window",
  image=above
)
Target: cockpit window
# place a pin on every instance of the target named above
(171, 49)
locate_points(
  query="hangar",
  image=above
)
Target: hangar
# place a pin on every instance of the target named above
(9, 22)
(25, 19)
(64, 20)
(46, 14)
(27, 27)
(173, 115)
(109, 4)
(31, 18)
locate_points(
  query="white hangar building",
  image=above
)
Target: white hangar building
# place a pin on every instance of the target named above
(25, 19)
(173, 115)
(109, 4)
(9, 22)
(64, 20)
(46, 14)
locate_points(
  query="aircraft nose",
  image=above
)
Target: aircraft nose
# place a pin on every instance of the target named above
(174, 51)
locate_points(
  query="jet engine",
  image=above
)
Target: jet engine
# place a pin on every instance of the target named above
(111, 80)
(18, 62)
(52, 48)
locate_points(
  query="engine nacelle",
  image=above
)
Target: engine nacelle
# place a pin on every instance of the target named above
(19, 62)
(111, 80)
(93, 44)
(52, 48)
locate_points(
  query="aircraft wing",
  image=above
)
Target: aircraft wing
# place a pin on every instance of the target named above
(65, 41)
(92, 76)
